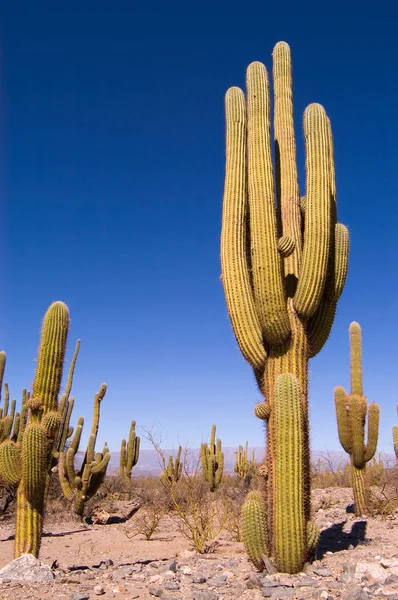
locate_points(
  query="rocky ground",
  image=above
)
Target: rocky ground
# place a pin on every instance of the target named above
(356, 559)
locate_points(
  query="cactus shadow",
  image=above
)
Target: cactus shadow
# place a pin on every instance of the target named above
(334, 539)
(49, 534)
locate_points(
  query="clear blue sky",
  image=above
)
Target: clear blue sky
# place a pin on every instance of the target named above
(112, 167)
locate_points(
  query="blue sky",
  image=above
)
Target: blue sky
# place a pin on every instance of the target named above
(112, 167)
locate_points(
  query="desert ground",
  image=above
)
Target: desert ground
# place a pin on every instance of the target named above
(357, 558)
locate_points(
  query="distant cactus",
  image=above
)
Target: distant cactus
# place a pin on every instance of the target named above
(352, 411)
(129, 454)
(79, 485)
(212, 460)
(395, 437)
(245, 467)
(284, 266)
(173, 470)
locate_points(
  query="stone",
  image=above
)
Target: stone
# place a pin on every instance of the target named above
(322, 572)
(253, 581)
(155, 591)
(204, 595)
(80, 597)
(27, 568)
(98, 590)
(171, 585)
(374, 570)
(198, 578)
(355, 593)
(186, 570)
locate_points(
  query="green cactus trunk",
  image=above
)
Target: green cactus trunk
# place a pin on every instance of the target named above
(29, 524)
(359, 489)
(288, 513)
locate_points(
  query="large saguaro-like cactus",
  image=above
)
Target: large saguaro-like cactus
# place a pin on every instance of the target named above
(212, 459)
(352, 410)
(26, 459)
(395, 437)
(284, 266)
(129, 454)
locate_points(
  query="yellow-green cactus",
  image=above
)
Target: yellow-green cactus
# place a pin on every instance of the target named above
(129, 454)
(212, 459)
(79, 485)
(245, 467)
(254, 528)
(173, 470)
(283, 265)
(395, 437)
(352, 411)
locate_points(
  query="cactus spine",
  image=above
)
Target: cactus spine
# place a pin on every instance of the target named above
(79, 485)
(212, 460)
(351, 411)
(129, 454)
(283, 271)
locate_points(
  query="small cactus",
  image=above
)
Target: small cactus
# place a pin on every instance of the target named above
(79, 485)
(352, 411)
(129, 454)
(395, 437)
(245, 467)
(173, 470)
(212, 460)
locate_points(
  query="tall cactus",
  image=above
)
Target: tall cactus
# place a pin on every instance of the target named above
(245, 467)
(129, 454)
(212, 459)
(26, 458)
(79, 485)
(395, 437)
(283, 271)
(351, 411)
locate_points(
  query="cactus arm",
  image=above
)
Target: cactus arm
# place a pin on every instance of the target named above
(319, 325)
(34, 459)
(285, 154)
(234, 244)
(123, 459)
(356, 359)
(343, 422)
(318, 212)
(269, 292)
(10, 462)
(67, 489)
(339, 263)
(72, 371)
(3, 360)
(6, 400)
(65, 431)
(373, 431)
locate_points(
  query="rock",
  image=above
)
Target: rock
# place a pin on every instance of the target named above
(306, 582)
(355, 593)
(253, 581)
(27, 568)
(204, 595)
(98, 590)
(155, 591)
(186, 570)
(122, 512)
(322, 572)
(198, 578)
(169, 575)
(80, 597)
(374, 570)
(171, 585)
(392, 580)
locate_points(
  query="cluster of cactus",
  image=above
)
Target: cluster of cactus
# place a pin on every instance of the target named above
(173, 469)
(245, 467)
(395, 437)
(212, 459)
(26, 460)
(352, 411)
(283, 272)
(32, 442)
(129, 454)
(79, 485)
